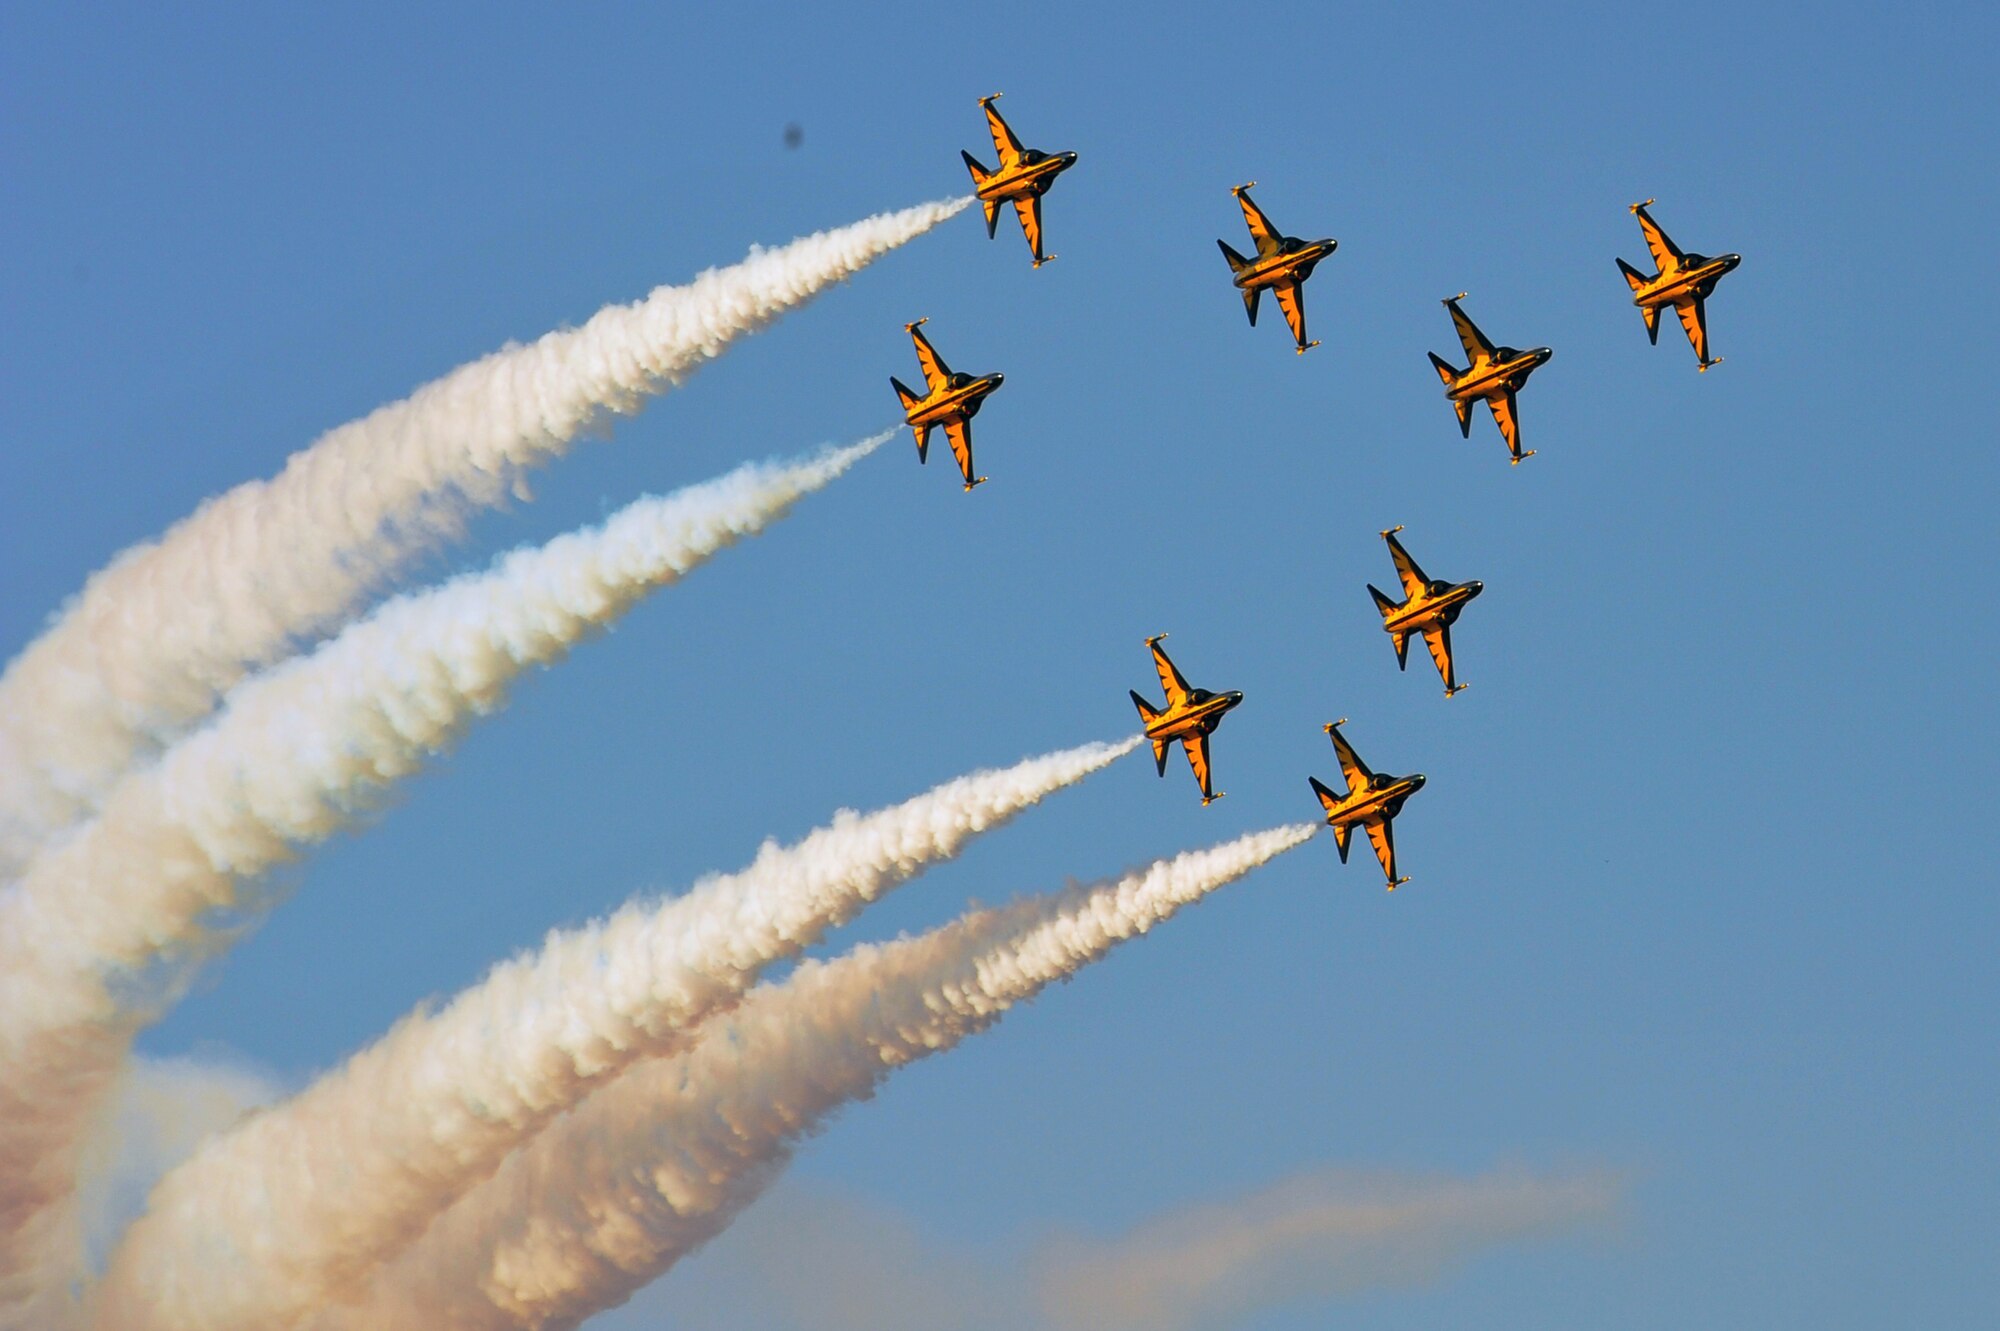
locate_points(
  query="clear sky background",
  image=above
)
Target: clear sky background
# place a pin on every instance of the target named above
(1703, 875)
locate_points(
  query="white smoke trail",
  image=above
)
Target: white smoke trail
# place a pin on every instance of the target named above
(96, 935)
(153, 640)
(659, 1161)
(809, 1257)
(315, 1194)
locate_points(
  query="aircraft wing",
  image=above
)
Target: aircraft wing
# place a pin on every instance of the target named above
(1004, 141)
(1384, 837)
(936, 372)
(1469, 336)
(1351, 766)
(959, 431)
(1292, 300)
(1503, 416)
(1030, 212)
(1666, 254)
(1170, 677)
(1413, 577)
(1438, 638)
(1197, 752)
(1261, 230)
(1694, 321)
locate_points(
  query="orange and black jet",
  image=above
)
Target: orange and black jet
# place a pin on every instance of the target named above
(1429, 607)
(1282, 264)
(948, 399)
(1371, 801)
(1190, 716)
(1024, 176)
(1683, 281)
(1495, 374)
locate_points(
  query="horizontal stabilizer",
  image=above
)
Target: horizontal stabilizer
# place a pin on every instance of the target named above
(903, 391)
(1237, 263)
(1446, 375)
(1633, 277)
(1652, 313)
(1382, 601)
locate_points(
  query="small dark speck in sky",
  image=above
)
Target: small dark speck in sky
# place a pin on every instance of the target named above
(794, 135)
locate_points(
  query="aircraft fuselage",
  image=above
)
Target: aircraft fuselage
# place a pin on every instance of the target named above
(954, 401)
(1199, 715)
(1696, 276)
(1031, 176)
(1507, 370)
(1382, 798)
(1282, 265)
(1419, 612)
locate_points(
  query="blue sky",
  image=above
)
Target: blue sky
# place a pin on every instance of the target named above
(1702, 889)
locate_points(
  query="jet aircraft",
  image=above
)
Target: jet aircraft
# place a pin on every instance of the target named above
(948, 399)
(1023, 177)
(1190, 716)
(1495, 374)
(1371, 801)
(1429, 607)
(1683, 281)
(1282, 264)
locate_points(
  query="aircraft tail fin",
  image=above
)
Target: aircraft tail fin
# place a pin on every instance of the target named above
(1148, 714)
(1446, 375)
(980, 175)
(1652, 313)
(1250, 295)
(1388, 608)
(1464, 409)
(1237, 263)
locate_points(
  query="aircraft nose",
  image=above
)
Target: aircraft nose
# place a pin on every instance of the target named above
(1069, 159)
(1236, 696)
(1417, 781)
(1543, 353)
(1732, 259)
(996, 379)
(1477, 587)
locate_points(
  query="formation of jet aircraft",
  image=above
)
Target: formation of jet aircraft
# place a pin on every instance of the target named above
(1372, 801)
(949, 399)
(1494, 375)
(1281, 264)
(1023, 177)
(1683, 281)
(1429, 607)
(1190, 716)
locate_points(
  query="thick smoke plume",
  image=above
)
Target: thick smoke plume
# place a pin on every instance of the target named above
(290, 1212)
(98, 933)
(153, 640)
(660, 1160)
